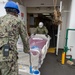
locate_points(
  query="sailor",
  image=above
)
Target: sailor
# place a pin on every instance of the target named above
(10, 29)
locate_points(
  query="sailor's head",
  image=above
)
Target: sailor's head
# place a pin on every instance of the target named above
(12, 7)
(40, 24)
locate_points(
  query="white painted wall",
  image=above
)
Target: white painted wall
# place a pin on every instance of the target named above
(39, 10)
(65, 22)
(71, 36)
(2, 10)
(24, 19)
(23, 10)
(39, 3)
(2, 5)
(3, 0)
(62, 32)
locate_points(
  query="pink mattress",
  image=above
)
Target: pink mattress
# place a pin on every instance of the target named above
(36, 44)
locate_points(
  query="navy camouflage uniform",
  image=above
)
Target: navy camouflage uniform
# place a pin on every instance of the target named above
(42, 30)
(14, 27)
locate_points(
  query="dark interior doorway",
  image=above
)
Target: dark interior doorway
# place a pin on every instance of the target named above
(52, 29)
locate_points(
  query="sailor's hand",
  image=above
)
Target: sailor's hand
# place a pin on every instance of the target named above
(32, 35)
(28, 52)
(46, 35)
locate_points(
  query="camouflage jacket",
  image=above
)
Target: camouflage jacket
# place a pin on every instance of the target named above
(42, 30)
(10, 29)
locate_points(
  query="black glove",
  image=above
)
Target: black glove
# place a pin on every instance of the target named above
(46, 35)
(34, 33)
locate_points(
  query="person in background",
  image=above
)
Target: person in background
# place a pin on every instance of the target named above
(41, 29)
(10, 29)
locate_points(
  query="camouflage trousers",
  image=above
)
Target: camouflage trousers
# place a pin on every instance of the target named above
(6, 68)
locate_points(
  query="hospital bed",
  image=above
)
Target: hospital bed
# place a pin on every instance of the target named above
(39, 45)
